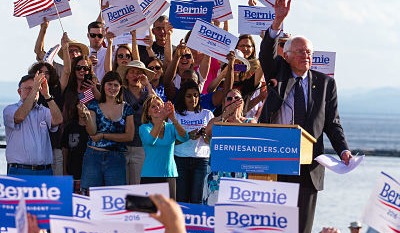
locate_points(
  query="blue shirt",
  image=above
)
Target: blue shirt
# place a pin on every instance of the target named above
(159, 160)
(29, 141)
(105, 125)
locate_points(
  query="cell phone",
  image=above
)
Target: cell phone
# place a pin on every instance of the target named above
(87, 77)
(240, 67)
(140, 204)
(94, 53)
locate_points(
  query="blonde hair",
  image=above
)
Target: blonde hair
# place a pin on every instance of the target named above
(146, 105)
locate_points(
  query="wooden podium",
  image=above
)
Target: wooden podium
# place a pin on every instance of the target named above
(306, 146)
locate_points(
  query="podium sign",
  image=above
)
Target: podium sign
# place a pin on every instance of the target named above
(246, 148)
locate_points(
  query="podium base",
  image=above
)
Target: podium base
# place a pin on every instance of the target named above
(259, 176)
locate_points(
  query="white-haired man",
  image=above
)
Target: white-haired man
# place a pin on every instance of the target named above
(307, 98)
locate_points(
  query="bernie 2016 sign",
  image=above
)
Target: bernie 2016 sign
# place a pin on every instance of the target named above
(255, 149)
(44, 195)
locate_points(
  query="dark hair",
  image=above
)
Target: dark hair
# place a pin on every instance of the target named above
(95, 24)
(108, 77)
(192, 73)
(115, 64)
(180, 106)
(161, 19)
(253, 44)
(71, 91)
(151, 59)
(24, 79)
(53, 76)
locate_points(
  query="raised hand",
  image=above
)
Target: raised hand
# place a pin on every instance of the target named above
(170, 110)
(110, 37)
(45, 23)
(44, 89)
(168, 28)
(88, 84)
(282, 9)
(144, 80)
(252, 2)
(231, 57)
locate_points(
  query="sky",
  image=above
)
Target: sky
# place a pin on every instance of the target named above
(363, 33)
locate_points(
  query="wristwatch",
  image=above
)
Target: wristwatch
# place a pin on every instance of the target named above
(49, 99)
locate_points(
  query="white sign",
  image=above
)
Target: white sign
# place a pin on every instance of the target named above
(51, 14)
(72, 225)
(121, 19)
(260, 217)
(324, 62)
(233, 190)
(268, 2)
(211, 40)
(383, 209)
(222, 10)
(153, 9)
(255, 20)
(108, 204)
(81, 206)
(21, 219)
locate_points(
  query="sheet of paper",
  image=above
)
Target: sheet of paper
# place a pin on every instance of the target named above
(51, 14)
(211, 40)
(122, 19)
(338, 166)
(255, 20)
(324, 62)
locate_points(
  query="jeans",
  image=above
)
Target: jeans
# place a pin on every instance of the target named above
(103, 168)
(190, 180)
(57, 165)
(23, 171)
(134, 163)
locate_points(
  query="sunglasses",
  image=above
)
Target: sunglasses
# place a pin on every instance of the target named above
(93, 35)
(154, 67)
(79, 68)
(121, 56)
(230, 98)
(187, 56)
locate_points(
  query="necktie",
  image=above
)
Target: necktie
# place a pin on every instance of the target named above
(299, 103)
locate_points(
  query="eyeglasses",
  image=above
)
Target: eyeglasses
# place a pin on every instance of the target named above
(230, 98)
(79, 68)
(281, 44)
(187, 56)
(154, 67)
(26, 88)
(301, 52)
(121, 56)
(93, 35)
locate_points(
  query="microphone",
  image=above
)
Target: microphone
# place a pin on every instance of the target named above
(271, 83)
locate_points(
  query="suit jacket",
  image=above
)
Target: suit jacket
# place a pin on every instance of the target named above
(322, 113)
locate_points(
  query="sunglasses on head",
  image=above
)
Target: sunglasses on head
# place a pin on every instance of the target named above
(93, 35)
(230, 98)
(154, 67)
(187, 56)
(121, 56)
(79, 68)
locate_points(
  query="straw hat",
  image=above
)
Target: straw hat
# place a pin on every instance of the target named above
(84, 49)
(239, 56)
(284, 36)
(122, 69)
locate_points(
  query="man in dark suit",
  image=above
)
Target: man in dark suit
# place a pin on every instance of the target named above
(306, 97)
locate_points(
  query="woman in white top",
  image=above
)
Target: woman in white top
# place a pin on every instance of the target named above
(191, 157)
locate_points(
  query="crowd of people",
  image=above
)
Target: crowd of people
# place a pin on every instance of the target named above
(151, 109)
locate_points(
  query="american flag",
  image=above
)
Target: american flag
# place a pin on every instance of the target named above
(49, 57)
(24, 8)
(86, 96)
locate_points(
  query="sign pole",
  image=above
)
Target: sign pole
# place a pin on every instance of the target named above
(59, 19)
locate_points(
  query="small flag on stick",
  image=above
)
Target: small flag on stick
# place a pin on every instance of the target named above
(86, 96)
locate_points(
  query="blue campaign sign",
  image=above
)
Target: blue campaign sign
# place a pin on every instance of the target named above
(183, 14)
(44, 195)
(198, 218)
(255, 149)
